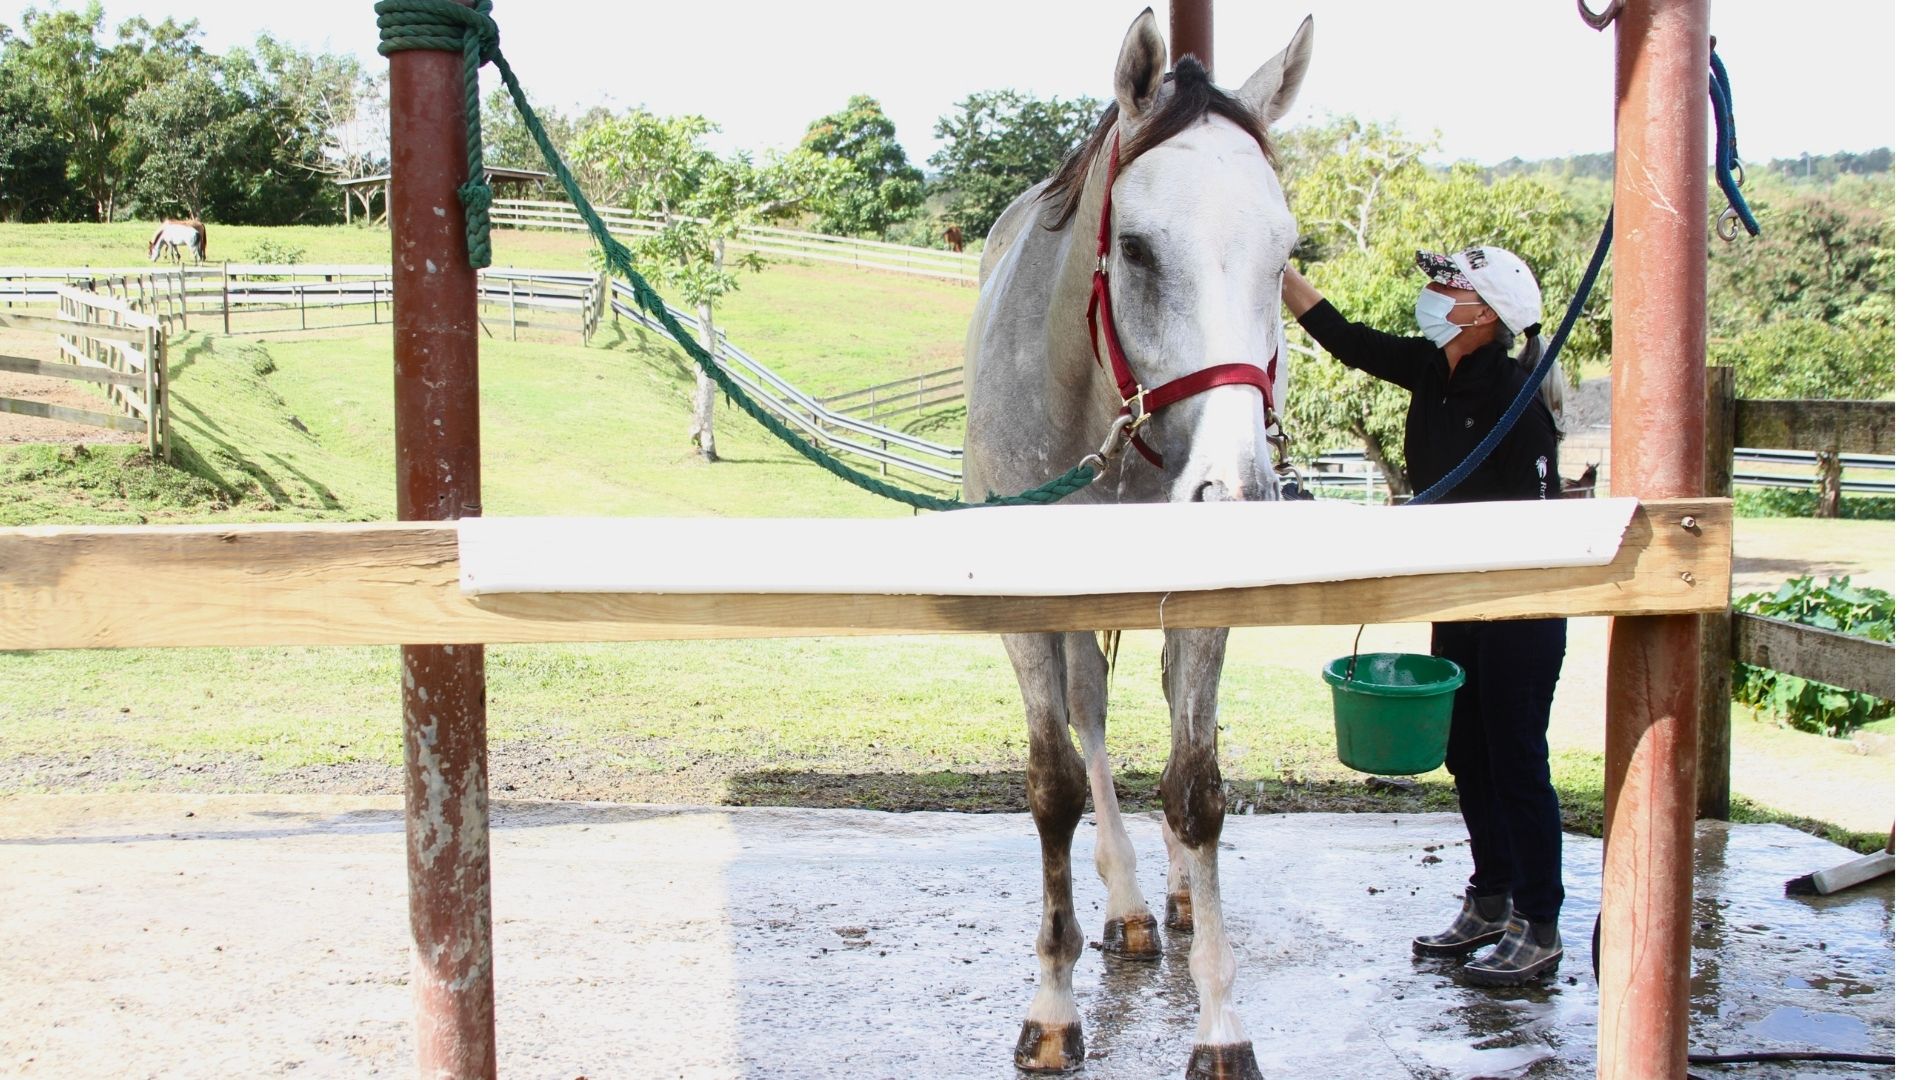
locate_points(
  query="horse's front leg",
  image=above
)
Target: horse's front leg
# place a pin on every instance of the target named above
(1195, 807)
(1130, 932)
(1051, 1039)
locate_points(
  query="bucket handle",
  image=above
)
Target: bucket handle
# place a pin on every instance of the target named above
(1354, 658)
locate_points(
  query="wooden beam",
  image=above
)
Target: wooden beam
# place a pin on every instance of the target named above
(72, 416)
(1851, 427)
(1714, 794)
(22, 365)
(1843, 660)
(395, 582)
(67, 326)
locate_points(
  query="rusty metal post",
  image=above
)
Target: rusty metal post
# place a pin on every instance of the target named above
(1659, 396)
(1190, 24)
(437, 458)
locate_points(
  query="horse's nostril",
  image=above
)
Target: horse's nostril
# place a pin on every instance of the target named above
(1211, 491)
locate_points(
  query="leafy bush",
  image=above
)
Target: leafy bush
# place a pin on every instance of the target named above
(1838, 605)
(1801, 503)
(274, 252)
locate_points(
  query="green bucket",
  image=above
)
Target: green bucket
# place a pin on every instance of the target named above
(1391, 718)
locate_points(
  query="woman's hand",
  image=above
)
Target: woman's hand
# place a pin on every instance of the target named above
(1297, 292)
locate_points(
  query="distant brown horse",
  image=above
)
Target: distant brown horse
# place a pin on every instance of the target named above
(1583, 487)
(175, 233)
(955, 241)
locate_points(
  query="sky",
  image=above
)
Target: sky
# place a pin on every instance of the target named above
(1494, 78)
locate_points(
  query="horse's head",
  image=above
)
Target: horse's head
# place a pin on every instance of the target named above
(1200, 232)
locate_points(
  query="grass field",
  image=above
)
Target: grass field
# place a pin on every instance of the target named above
(280, 427)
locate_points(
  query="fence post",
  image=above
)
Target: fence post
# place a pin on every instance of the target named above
(300, 293)
(1716, 630)
(226, 310)
(513, 311)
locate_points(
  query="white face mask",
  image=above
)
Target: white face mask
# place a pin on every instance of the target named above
(1431, 311)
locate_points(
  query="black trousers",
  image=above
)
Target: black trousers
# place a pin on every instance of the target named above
(1497, 753)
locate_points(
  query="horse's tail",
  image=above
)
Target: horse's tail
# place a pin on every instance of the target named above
(200, 231)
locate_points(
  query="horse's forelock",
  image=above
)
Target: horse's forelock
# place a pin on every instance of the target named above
(1192, 98)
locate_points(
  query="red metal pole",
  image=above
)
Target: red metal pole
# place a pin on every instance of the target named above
(1659, 451)
(437, 456)
(1190, 24)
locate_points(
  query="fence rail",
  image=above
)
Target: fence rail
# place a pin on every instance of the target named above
(1809, 652)
(277, 298)
(949, 386)
(765, 240)
(884, 446)
(110, 342)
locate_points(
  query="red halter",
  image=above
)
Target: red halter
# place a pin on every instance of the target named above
(1140, 402)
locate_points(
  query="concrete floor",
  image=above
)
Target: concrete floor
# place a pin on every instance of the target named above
(222, 936)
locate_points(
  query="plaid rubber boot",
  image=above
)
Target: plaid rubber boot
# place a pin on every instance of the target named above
(1482, 921)
(1528, 951)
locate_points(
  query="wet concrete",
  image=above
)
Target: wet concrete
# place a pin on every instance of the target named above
(241, 935)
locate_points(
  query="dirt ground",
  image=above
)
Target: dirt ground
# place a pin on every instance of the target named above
(38, 345)
(224, 936)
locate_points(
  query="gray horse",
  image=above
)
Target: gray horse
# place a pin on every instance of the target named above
(1190, 254)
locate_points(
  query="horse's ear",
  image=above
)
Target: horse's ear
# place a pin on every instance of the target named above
(1143, 59)
(1271, 90)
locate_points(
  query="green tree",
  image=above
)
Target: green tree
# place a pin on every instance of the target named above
(882, 188)
(1001, 143)
(33, 156)
(86, 85)
(184, 129)
(1366, 203)
(700, 202)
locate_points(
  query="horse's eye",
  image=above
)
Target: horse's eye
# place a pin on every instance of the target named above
(1134, 250)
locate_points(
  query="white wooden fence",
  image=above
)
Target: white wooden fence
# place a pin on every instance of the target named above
(261, 298)
(107, 341)
(783, 243)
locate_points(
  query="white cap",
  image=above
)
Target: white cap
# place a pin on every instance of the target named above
(1498, 275)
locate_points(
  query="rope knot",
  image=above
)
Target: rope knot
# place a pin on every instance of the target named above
(446, 26)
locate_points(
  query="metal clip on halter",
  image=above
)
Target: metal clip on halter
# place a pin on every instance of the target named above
(1123, 428)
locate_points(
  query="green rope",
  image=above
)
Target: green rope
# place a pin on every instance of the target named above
(452, 27)
(449, 27)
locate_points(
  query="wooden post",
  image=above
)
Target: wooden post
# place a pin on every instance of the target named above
(1828, 462)
(437, 457)
(226, 307)
(150, 386)
(1716, 631)
(513, 311)
(1658, 451)
(300, 294)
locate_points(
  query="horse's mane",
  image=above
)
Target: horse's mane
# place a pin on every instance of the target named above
(1192, 99)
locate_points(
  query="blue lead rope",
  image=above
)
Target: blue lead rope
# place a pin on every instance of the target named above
(1726, 158)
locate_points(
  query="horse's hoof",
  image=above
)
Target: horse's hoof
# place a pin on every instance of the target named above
(1180, 911)
(1233, 1062)
(1052, 1048)
(1136, 937)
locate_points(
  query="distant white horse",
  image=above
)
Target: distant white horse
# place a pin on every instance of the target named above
(1134, 298)
(173, 235)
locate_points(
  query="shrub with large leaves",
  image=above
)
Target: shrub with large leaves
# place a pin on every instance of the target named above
(1841, 606)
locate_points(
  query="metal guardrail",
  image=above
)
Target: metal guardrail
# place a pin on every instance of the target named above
(1873, 462)
(804, 412)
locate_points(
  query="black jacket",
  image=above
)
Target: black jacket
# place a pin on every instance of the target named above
(1449, 415)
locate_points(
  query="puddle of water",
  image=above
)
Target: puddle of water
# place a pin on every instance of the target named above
(1805, 1028)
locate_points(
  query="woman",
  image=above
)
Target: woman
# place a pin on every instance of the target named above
(1462, 377)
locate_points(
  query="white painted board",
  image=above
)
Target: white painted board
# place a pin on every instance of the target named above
(1035, 551)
